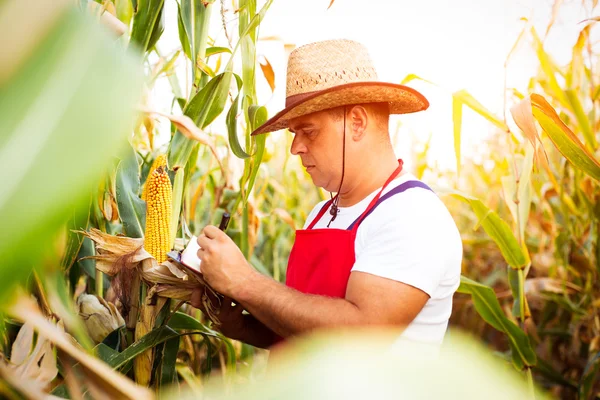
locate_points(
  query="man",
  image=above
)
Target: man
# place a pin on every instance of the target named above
(384, 251)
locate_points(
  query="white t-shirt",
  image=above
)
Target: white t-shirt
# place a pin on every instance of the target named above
(411, 238)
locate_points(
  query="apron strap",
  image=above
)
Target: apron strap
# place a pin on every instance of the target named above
(320, 214)
(376, 198)
(371, 204)
(398, 189)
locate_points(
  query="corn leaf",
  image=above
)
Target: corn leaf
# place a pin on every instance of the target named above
(258, 116)
(234, 141)
(79, 220)
(267, 70)
(181, 321)
(204, 107)
(132, 209)
(563, 138)
(146, 19)
(167, 373)
(550, 69)
(589, 377)
(489, 308)
(411, 77)
(183, 38)
(217, 50)
(498, 230)
(195, 18)
(124, 10)
(158, 29)
(75, 71)
(465, 98)
(582, 118)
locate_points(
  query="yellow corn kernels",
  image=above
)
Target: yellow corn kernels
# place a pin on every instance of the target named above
(157, 238)
(160, 161)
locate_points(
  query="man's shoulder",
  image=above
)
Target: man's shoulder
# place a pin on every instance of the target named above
(410, 202)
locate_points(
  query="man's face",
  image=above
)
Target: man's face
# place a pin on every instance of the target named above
(318, 142)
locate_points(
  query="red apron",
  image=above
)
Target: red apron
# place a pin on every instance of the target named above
(321, 259)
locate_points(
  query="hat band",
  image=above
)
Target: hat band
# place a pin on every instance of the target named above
(295, 98)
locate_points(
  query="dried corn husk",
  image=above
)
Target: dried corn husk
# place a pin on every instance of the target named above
(115, 253)
(142, 364)
(99, 316)
(35, 365)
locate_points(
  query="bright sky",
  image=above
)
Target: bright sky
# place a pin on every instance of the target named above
(459, 44)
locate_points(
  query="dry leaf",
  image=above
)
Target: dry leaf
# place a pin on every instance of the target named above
(25, 309)
(268, 72)
(107, 17)
(523, 117)
(189, 129)
(285, 216)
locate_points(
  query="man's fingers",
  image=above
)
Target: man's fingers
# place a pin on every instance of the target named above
(203, 241)
(211, 232)
(196, 299)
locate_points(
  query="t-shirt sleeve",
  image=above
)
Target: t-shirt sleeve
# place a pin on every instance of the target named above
(405, 242)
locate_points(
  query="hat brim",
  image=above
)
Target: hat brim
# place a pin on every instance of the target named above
(402, 100)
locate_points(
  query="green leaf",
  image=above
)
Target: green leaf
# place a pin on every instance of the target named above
(132, 209)
(487, 305)
(124, 10)
(234, 141)
(258, 115)
(145, 20)
(183, 39)
(582, 118)
(195, 17)
(589, 377)
(202, 109)
(169, 361)
(217, 50)
(178, 187)
(498, 230)
(158, 29)
(79, 220)
(181, 321)
(104, 352)
(55, 144)
(457, 121)
(148, 341)
(563, 138)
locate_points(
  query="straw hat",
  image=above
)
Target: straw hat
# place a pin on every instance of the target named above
(334, 73)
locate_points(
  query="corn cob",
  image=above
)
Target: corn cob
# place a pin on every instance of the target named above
(159, 161)
(157, 238)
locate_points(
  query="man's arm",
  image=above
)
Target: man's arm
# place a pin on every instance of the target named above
(370, 300)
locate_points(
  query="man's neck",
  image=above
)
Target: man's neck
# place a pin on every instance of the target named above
(373, 174)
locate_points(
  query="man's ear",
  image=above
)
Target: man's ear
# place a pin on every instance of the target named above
(358, 119)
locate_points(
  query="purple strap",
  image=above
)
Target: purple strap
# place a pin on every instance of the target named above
(398, 189)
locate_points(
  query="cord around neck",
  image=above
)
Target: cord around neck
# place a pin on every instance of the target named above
(335, 200)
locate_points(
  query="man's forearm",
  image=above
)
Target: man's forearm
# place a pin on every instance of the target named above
(288, 312)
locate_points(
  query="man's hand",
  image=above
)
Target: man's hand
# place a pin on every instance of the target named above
(223, 265)
(232, 323)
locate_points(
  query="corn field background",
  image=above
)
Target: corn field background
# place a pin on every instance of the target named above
(90, 305)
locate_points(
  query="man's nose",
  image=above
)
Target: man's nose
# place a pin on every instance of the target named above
(297, 146)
